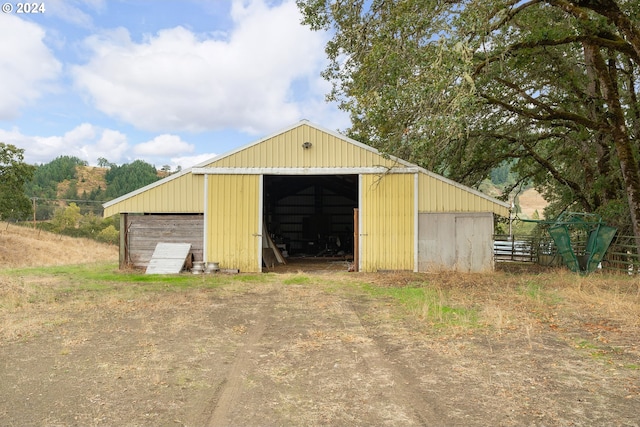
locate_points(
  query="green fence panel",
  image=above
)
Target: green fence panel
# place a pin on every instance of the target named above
(599, 241)
(560, 236)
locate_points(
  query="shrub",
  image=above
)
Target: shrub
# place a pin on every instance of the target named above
(109, 235)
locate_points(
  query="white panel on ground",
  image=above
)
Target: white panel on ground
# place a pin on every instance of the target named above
(168, 258)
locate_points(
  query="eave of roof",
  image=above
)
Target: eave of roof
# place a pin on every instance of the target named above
(398, 160)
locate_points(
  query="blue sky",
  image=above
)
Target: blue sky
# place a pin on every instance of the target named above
(166, 81)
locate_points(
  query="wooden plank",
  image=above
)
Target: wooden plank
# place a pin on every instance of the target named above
(168, 258)
(271, 245)
(144, 232)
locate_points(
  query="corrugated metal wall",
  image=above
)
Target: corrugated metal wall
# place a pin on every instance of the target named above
(180, 195)
(233, 221)
(285, 150)
(387, 222)
(234, 203)
(437, 195)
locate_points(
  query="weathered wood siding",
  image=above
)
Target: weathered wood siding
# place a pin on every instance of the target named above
(459, 241)
(144, 232)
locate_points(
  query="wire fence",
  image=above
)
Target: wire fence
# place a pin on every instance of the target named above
(622, 255)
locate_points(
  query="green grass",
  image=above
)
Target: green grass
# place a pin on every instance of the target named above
(427, 303)
(30, 285)
(252, 278)
(603, 353)
(91, 281)
(585, 344)
(297, 280)
(539, 293)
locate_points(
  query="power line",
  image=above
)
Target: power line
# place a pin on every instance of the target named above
(68, 200)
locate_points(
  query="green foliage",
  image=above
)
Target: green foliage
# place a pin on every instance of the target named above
(44, 210)
(70, 222)
(47, 177)
(465, 88)
(103, 163)
(78, 219)
(522, 228)
(108, 235)
(616, 214)
(14, 204)
(129, 177)
(72, 191)
(119, 180)
(91, 223)
(501, 176)
(66, 218)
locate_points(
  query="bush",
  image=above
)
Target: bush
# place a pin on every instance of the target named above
(109, 235)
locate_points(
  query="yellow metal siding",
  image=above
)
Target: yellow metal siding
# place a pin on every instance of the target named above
(436, 195)
(179, 195)
(285, 150)
(387, 219)
(232, 221)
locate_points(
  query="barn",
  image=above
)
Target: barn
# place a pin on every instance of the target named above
(311, 192)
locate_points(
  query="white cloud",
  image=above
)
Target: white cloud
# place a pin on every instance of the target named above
(163, 145)
(71, 11)
(177, 80)
(112, 145)
(27, 66)
(86, 141)
(188, 161)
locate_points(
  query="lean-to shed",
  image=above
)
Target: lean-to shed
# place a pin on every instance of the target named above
(316, 193)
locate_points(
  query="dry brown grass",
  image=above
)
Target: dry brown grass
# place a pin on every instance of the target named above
(89, 178)
(529, 302)
(522, 301)
(25, 247)
(531, 201)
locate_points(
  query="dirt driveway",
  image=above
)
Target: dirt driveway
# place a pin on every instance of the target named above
(296, 351)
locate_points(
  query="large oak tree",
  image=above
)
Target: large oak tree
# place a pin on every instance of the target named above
(460, 87)
(14, 172)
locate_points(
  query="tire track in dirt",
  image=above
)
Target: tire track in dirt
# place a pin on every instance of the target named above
(404, 392)
(229, 390)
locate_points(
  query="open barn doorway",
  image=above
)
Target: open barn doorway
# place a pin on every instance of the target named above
(310, 217)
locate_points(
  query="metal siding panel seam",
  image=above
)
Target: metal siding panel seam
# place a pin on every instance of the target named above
(416, 205)
(260, 226)
(205, 239)
(360, 210)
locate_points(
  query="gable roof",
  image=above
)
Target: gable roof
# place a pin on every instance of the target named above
(281, 153)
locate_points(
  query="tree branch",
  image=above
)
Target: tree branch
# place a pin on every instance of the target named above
(552, 116)
(602, 39)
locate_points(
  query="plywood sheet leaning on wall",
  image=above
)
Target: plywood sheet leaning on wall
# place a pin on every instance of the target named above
(168, 258)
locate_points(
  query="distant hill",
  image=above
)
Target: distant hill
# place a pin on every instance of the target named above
(89, 178)
(531, 201)
(68, 179)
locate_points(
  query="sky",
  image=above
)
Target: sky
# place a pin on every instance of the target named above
(170, 82)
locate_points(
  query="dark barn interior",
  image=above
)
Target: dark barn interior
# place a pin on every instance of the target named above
(311, 216)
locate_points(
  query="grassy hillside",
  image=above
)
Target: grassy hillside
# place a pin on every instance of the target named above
(26, 247)
(89, 178)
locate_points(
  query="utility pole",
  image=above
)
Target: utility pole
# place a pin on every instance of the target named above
(34, 212)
